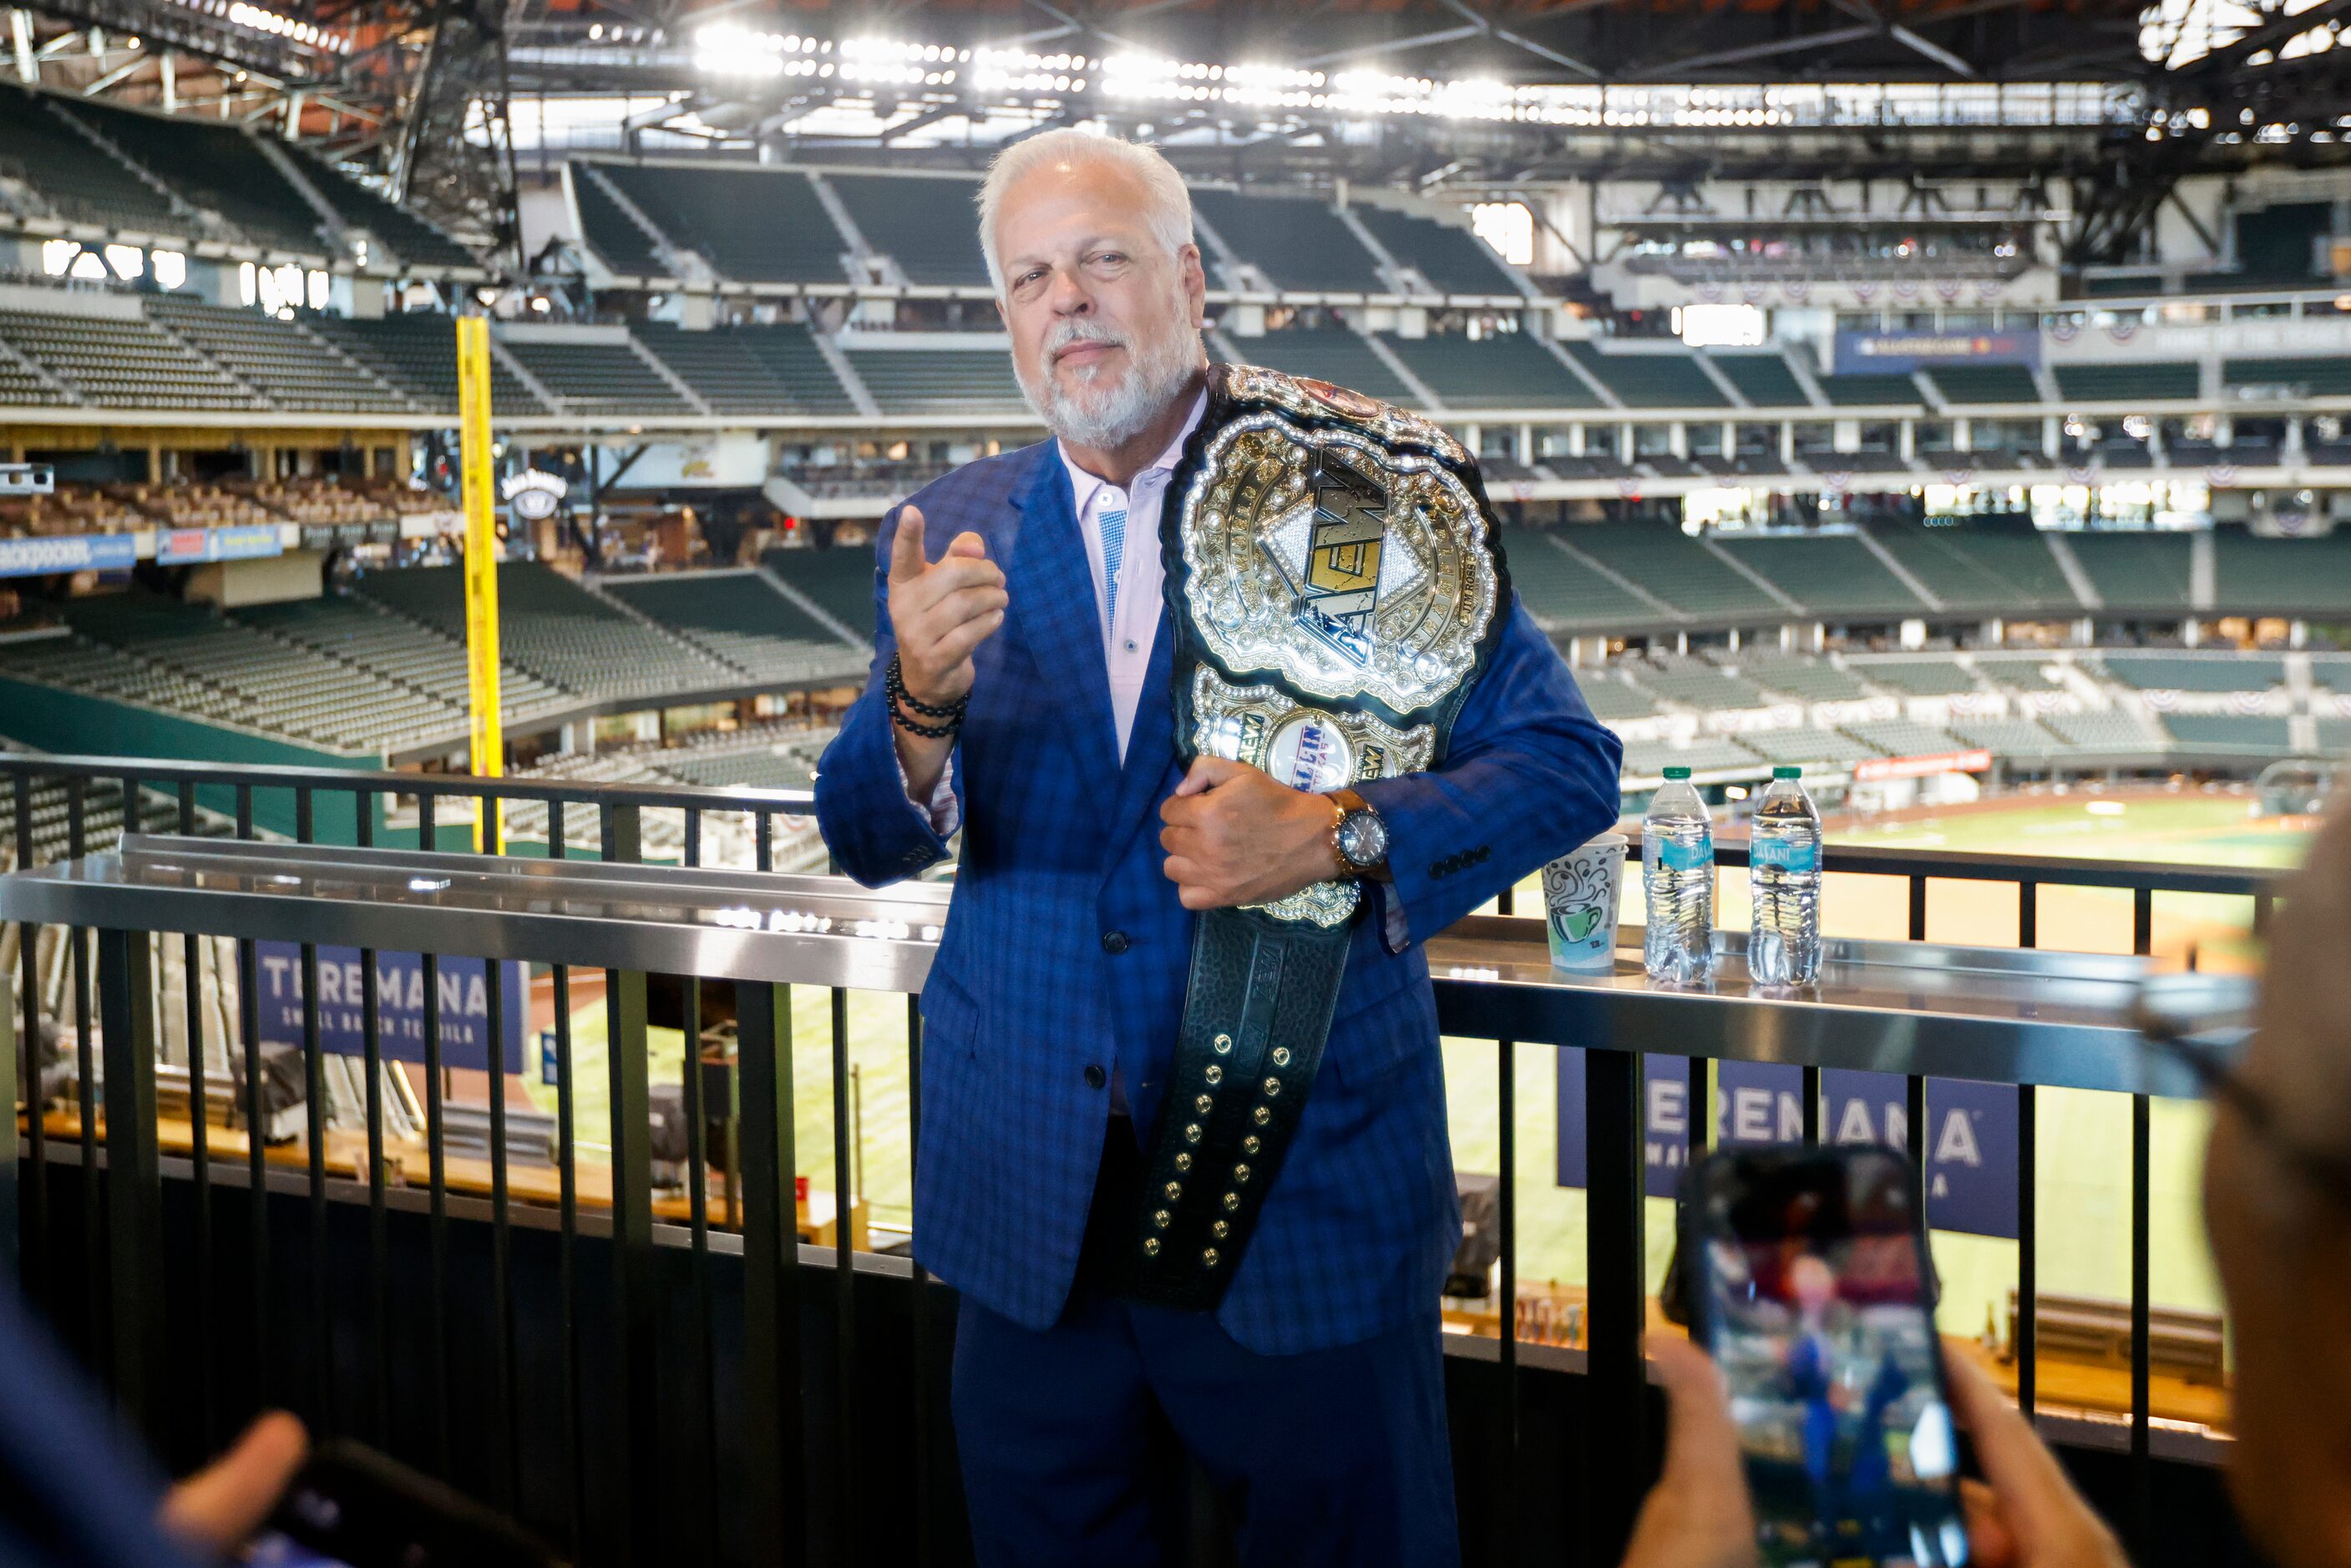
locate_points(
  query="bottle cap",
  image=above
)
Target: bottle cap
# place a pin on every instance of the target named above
(1787, 773)
(1678, 772)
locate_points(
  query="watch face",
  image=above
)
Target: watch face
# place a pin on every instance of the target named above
(1364, 839)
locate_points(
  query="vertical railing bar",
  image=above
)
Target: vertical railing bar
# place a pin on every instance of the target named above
(33, 1238)
(2141, 1466)
(1809, 1085)
(436, 1198)
(134, 1182)
(698, 1200)
(1506, 1219)
(86, 1081)
(566, 1161)
(763, 837)
(1616, 1309)
(639, 1541)
(256, 1134)
(199, 1155)
(844, 1282)
(773, 1436)
(379, 1225)
(2028, 1195)
(314, 1080)
(1915, 1086)
(502, 1325)
(925, 1544)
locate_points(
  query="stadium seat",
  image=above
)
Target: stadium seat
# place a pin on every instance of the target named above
(284, 360)
(2231, 733)
(1651, 381)
(2313, 376)
(2196, 671)
(120, 363)
(1832, 575)
(1797, 676)
(1973, 384)
(1992, 566)
(1332, 354)
(924, 223)
(419, 352)
(1870, 389)
(977, 380)
(1296, 241)
(1675, 568)
(2152, 380)
(749, 369)
(1502, 371)
(218, 168)
(71, 175)
(596, 377)
(1452, 258)
(739, 615)
(1916, 677)
(751, 225)
(2135, 571)
(2277, 577)
(1560, 592)
(1763, 380)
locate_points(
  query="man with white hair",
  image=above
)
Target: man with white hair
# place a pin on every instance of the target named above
(1028, 680)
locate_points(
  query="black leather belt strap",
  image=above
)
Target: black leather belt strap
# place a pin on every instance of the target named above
(1255, 1019)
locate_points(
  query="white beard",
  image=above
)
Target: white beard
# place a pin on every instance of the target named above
(1102, 417)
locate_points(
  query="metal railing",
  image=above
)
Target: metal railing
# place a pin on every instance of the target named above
(769, 1401)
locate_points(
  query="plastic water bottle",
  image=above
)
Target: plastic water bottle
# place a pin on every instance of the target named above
(1677, 872)
(1784, 876)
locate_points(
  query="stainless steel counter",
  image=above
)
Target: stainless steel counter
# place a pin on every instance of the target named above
(1996, 1014)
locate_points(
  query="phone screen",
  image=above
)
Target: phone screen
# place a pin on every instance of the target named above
(1816, 1306)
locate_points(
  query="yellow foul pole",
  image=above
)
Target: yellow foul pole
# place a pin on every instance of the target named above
(481, 567)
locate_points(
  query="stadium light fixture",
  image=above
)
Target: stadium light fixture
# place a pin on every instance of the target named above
(259, 19)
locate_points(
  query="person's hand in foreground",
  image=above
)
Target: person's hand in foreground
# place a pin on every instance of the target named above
(1698, 1515)
(217, 1508)
(2024, 1515)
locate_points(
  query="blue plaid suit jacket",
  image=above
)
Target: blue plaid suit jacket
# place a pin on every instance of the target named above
(1061, 847)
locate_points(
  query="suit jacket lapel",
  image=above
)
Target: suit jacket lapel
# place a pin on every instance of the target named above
(1051, 584)
(1150, 747)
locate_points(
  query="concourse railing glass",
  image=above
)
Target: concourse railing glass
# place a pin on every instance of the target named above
(680, 1342)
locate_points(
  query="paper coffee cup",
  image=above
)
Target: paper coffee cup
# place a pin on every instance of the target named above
(1581, 890)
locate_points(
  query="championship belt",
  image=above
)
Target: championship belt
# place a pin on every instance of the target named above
(1336, 588)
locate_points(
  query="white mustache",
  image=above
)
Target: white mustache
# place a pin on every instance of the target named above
(1078, 329)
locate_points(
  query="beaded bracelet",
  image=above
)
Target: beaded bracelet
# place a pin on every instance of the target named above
(893, 687)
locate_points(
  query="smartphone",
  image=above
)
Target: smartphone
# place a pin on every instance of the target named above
(353, 1507)
(1812, 1289)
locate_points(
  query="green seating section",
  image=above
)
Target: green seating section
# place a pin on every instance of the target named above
(2002, 568)
(284, 360)
(939, 380)
(75, 178)
(751, 225)
(1560, 592)
(1452, 258)
(560, 631)
(407, 236)
(840, 579)
(1505, 370)
(2271, 577)
(1869, 389)
(419, 352)
(1967, 384)
(2146, 380)
(924, 223)
(596, 377)
(2230, 732)
(1676, 568)
(1298, 241)
(749, 369)
(214, 166)
(2196, 671)
(1805, 678)
(2316, 376)
(1833, 575)
(1651, 381)
(1332, 354)
(612, 234)
(121, 363)
(2136, 571)
(740, 618)
(387, 646)
(1763, 380)
(1930, 677)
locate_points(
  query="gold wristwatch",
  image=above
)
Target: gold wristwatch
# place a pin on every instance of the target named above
(1359, 837)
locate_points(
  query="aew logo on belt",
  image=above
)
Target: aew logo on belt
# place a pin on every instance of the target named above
(1342, 583)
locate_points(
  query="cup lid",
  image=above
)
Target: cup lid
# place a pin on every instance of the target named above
(1678, 772)
(1784, 772)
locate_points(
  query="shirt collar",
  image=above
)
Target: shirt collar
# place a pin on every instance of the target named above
(1084, 484)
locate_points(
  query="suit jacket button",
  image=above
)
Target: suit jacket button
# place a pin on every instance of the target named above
(1095, 1077)
(1115, 943)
